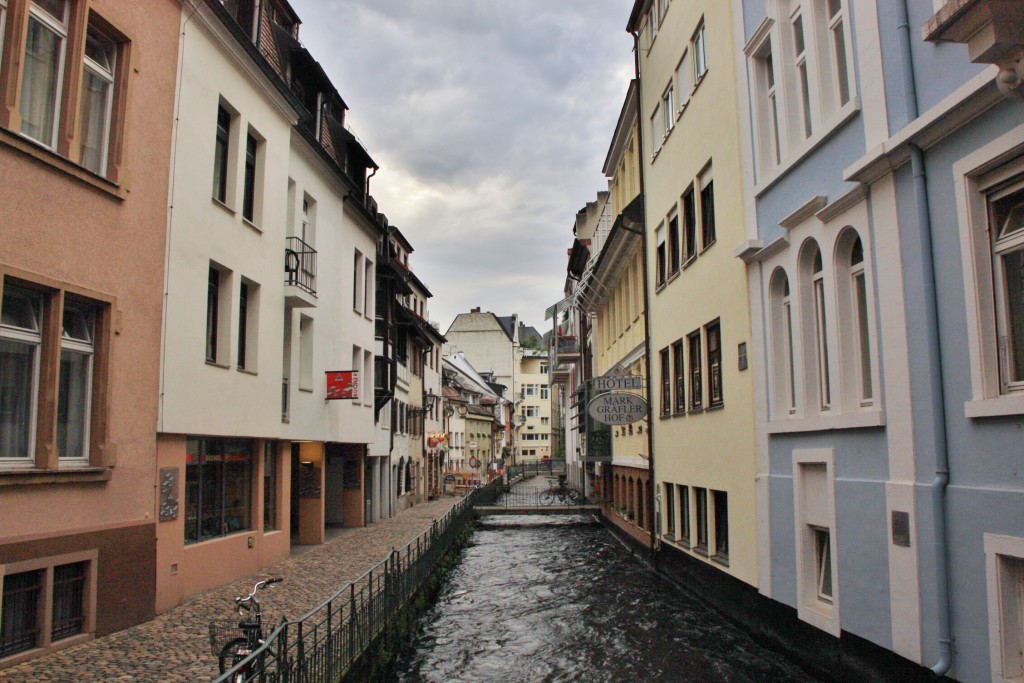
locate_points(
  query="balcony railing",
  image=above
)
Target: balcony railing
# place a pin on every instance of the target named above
(300, 265)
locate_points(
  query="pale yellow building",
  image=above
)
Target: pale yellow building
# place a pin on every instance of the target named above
(534, 407)
(703, 392)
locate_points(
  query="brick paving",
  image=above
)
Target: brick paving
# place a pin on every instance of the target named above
(175, 646)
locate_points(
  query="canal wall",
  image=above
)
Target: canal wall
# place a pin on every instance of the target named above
(772, 624)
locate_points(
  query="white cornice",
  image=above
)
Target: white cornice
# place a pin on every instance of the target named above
(758, 36)
(855, 196)
(809, 208)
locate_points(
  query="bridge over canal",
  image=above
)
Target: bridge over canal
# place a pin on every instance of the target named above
(535, 496)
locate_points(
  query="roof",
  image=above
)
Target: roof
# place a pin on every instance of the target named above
(457, 361)
(507, 323)
(527, 333)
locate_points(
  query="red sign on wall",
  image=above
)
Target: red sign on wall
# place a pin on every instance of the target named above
(342, 384)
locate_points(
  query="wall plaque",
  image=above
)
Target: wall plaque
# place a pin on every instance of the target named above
(169, 493)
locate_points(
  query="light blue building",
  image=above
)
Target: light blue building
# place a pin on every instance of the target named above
(885, 149)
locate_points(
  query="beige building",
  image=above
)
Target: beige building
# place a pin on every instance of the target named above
(534, 408)
(86, 106)
(703, 392)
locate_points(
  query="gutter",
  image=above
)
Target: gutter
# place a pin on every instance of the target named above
(647, 292)
(933, 351)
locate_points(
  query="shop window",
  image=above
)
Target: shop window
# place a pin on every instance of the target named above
(270, 483)
(218, 488)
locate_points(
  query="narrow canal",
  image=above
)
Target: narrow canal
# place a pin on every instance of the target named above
(559, 599)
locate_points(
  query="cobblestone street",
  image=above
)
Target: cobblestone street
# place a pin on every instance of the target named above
(175, 646)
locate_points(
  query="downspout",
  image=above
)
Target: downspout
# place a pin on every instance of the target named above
(647, 293)
(933, 350)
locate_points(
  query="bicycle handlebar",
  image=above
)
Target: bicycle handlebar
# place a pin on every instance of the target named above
(259, 585)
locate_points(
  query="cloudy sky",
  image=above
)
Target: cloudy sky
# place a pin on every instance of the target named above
(490, 120)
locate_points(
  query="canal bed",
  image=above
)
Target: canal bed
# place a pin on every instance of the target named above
(560, 599)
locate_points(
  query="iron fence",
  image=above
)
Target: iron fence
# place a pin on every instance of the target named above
(510, 497)
(536, 469)
(324, 644)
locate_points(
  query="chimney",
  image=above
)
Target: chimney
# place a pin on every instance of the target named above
(475, 310)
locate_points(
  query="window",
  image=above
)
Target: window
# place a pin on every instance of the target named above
(666, 383)
(20, 343)
(97, 99)
(221, 155)
(305, 353)
(673, 244)
(684, 80)
(721, 503)
(43, 75)
(1006, 221)
(218, 309)
(767, 107)
(837, 40)
(75, 385)
(545, 420)
(800, 52)
(823, 563)
(657, 129)
(684, 514)
(713, 332)
(707, 208)
(358, 281)
(668, 108)
(824, 385)
(662, 255)
(270, 497)
(784, 375)
(250, 179)
(700, 58)
(696, 390)
(531, 389)
(368, 288)
(689, 225)
(701, 499)
(248, 325)
(855, 340)
(218, 487)
(46, 600)
(1004, 574)
(543, 368)
(544, 392)
(670, 510)
(36, 364)
(679, 377)
(531, 411)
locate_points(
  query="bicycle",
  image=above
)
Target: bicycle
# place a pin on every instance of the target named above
(240, 647)
(560, 491)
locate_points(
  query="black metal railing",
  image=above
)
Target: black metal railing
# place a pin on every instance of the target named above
(536, 469)
(300, 265)
(511, 497)
(325, 643)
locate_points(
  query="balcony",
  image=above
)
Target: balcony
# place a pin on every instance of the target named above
(567, 350)
(300, 274)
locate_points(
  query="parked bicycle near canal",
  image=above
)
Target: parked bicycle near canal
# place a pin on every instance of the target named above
(560, 492)
(235, 650)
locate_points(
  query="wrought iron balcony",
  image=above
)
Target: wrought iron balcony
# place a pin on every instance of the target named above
(300, 267)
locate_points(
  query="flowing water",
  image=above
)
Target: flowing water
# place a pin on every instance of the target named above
(560, 599)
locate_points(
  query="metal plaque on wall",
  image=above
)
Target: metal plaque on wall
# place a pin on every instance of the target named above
(168, 493)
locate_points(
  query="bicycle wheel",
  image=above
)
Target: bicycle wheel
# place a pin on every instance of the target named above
(547, 498)
(233, 651)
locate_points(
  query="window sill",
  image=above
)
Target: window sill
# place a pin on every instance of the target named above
(862, 420)
(77, 475)
(839, 119)
(47, 156)
(690, 260)
(222, 205)
(700, 550)
(1009, 404)
(248, 223)
(672, 276)
(695, 409)
(708, 246)
(214, 364)
(720, 558)
(716, 406)
(246, 371)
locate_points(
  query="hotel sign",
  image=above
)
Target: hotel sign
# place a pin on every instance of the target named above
(618, 408)
(621, 383)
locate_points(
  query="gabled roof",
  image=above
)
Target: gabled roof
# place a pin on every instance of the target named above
(457, 361)
(507, 323)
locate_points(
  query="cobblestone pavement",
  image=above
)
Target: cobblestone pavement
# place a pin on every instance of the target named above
(175, 646)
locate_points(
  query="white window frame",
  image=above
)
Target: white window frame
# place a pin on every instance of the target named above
(107, 75)
(834, 24)
(85, 348)
(698, 47)
(973, 177)
(60, 28)
(804, 91)
(1000, 247)
(1004, 577)
(668, 108)
(811, 608)
(35, 339)
(657, 129)
(684, 80)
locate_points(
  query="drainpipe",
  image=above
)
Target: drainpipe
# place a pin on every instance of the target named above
(647, 295)
(933, 350)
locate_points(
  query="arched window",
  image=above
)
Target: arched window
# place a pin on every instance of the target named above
(783, 369)
(815, 327)
(639, 503)
(855, 336)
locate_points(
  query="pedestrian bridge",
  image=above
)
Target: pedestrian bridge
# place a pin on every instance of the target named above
(533, 500)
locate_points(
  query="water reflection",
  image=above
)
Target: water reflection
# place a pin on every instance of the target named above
(560, 599)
